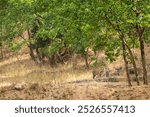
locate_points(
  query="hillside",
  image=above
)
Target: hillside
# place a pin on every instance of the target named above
(75, 49)
(21, 78)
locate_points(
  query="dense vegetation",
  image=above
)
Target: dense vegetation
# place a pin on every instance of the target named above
(57, 29)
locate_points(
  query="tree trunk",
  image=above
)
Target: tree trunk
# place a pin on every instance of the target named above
(52, 61)
(134, 64)
(125, 60)
(132, 57)
(141, 40)
(86, 60)
(140, 32)
(2, 52)
(38, 55)
(32, 54)
(122, 37)
(30, 47)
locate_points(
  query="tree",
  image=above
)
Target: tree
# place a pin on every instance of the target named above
(114, 14)
(139, 18)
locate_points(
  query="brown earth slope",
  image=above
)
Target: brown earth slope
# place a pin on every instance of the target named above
(23, 79)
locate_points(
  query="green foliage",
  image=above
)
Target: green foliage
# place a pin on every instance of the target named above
(15, 47)
(112, 49)
(83, 23)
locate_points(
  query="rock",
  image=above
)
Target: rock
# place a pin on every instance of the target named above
(19, 87)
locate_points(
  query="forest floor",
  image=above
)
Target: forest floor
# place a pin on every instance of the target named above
(21, 78)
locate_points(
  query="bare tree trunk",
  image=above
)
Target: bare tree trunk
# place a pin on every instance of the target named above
(141, 40)
(30, 47)
(2, 52)
(1, 49)
(134, 64)
(126, 64)
(52, 61)
(38, 55)
(132, 57)
(32, 54)
(140, 32)
(125, 60)
(86, 60)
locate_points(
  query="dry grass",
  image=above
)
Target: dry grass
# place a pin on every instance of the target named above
(24, 69)
(63, 82)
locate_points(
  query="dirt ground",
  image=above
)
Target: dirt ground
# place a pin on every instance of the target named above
(75, 91)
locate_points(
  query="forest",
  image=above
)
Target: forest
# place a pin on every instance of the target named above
(75, 49)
